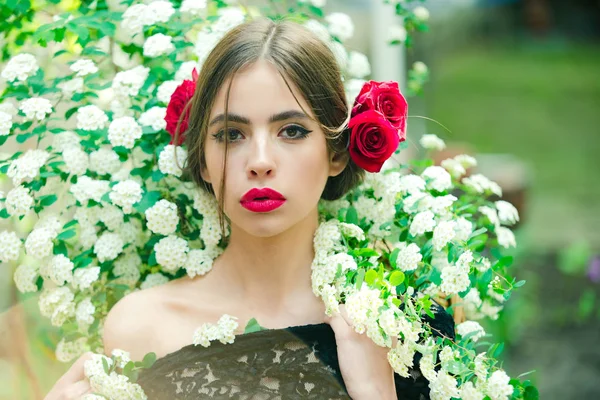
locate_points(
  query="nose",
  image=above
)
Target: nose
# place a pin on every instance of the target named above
(261, 160)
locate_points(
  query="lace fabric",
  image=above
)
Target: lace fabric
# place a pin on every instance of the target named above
(293, 363)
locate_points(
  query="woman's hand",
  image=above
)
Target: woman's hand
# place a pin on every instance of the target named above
(73, 384)
(364, 365)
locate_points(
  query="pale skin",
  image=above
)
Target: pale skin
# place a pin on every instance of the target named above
(265, 271)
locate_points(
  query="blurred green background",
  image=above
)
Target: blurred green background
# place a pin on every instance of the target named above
(517, 83)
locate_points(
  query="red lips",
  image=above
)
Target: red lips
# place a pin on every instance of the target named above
(262, 200)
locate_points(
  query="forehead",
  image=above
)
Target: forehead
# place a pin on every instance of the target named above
(257, 92)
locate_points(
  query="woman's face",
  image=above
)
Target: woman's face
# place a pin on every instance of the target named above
(272, 144)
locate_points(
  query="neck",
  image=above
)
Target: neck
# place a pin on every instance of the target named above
(270, 272)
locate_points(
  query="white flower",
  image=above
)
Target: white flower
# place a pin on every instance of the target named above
(444, 386)
(25, 278)
(20, 67)
(420, 68)
(185, 72)
(158, 11)
(84, 67)
(124, 132)
(422, 222)
(491, 214)
(162, 217)
(453, 167)
(411, 184)
(36, 108)
(39, 243)
(341, 55)
(27, 167)
(454, 279)
(108, 246)
(318, 3)
(18, 201)
(318, 29)
(84, 277)
(351, 230)
(59, 270)
(396, 33)
(91, 118)
(498, 387)
(480, 184)
(507, 213)
(72, 86)
(205, 334)
(152, 280)
(358, 65)
(401, 358)
(340, 25)
(346, 261)
(467, 327)
(506, 238)
(432, 142)
(469, 392)
(442, 234)
(193, 7)
(154, 117)
(465, 260)
(84, 313)
(171, 252)
(158, 45)
(68, 351)
(165, 90)
(125, 194)
(205, 42)
(409, 256)
(200, 261)
(426, 366)
(440, 205)
(5, 123)
(466, 160)
(171, 159)
(437, 178)
(57, 304)
(129, 82)
(76, 160)
(360, 304)
(10, 246)
(229, 17)
(64, 140)
(421, 13)
(227, 326)
(104, 161)
(87, 188)
(94, 366)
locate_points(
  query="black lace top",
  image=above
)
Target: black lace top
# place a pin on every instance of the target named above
(298, 362)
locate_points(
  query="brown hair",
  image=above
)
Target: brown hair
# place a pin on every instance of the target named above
(302, 59)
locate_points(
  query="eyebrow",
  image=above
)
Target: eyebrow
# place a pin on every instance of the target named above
(282, 116)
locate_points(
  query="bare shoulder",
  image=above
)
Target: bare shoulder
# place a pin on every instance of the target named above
(160, 319)
(130, 323)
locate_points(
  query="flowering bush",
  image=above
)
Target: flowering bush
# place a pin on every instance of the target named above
(113, 213)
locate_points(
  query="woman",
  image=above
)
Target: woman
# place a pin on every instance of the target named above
(268, 137)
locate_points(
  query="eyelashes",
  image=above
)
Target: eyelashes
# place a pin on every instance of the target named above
(235, 135)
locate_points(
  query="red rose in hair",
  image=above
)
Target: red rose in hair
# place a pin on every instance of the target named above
(179, 99)
(386, 98)
(372, 141)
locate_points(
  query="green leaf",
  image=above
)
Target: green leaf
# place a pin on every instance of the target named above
(128, 368)
(149, 360)
(352, 216)
(105, 365)
(531, 393)
(519, 284)
(60, 248)
(253, 326)
(396, 278)
(148, 200)
(360, 277)
(66, 234)
(370, 276)
(47, 200)
(4, 214)
(157, 175)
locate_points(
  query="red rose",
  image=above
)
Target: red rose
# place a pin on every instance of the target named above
(386, 98)
(179, 99)
(372, 141)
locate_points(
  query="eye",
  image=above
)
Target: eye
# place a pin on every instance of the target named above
(295, 132)
(233, 135)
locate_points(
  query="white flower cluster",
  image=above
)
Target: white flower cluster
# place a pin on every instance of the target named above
(155, 116)
(124, 131)
(125, 194)
(139, 15)
(5, 123)
(20, 67)
(129, 82)
(162, 217)
(84, 67)
(193, 7)
(432, 142)
(340, 25)
(223, 331)
(67, 351)
(27, 167)
(36, 108)
(172, 159)
(18, 201)
(87, 188)
(57, 304)
(91, 118)
(10, 246)
(111, 386)
(171, 252)
(158, 45)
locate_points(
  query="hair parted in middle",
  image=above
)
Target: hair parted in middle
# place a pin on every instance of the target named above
(303, 60)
